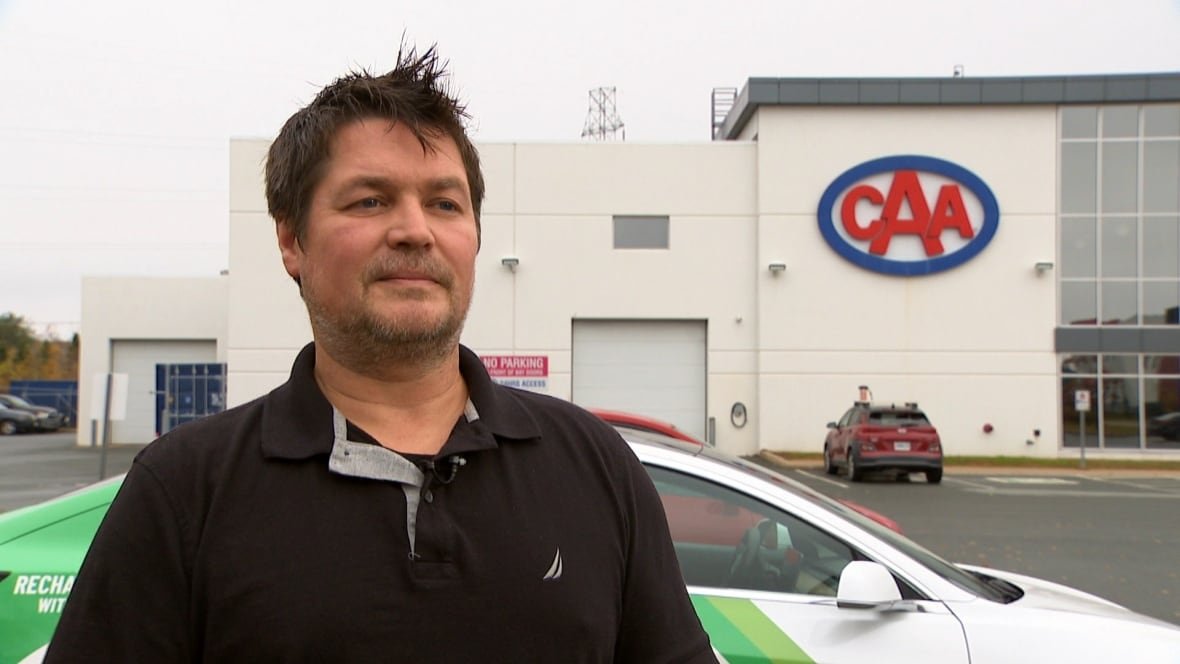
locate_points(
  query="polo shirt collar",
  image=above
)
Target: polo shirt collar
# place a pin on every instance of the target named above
(297, 417)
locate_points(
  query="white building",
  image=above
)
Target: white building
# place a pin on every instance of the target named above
(715, 286)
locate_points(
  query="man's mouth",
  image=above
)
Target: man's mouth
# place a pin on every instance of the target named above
(407, 276)
(419, 271)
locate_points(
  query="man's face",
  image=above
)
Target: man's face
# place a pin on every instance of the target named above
(388, 259)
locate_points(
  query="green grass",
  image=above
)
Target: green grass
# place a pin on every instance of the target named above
(1025, 462)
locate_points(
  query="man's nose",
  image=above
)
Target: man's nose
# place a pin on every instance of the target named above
(409, 225)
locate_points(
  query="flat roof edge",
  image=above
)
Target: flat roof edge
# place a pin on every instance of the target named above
(951, 91)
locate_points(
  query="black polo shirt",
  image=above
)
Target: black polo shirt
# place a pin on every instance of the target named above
(261, 535)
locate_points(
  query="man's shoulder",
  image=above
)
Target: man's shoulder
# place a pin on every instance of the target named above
(562, 422)
(550, 410)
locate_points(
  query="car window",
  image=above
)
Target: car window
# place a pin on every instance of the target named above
(898, 418)
(849, 415)
(725, 539)
(17, 401)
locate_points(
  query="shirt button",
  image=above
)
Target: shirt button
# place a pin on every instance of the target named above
(428, 496)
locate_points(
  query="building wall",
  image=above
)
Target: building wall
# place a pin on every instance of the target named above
(143, 309)
(267, 322)
(972, 345)
(551, 206)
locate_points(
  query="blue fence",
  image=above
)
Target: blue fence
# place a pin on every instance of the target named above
(186, 392)
(59, 394)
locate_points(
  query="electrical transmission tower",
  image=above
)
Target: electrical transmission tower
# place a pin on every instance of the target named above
(602, 120)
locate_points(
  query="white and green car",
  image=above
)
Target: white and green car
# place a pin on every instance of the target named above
(777, 572)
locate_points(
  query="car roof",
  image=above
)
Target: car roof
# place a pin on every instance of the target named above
(632, 421)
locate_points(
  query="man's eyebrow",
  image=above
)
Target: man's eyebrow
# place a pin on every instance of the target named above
(383, 183)
(439, 184)
(365, 182)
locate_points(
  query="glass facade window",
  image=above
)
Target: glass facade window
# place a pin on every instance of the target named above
(1161, 247)
(1120, 413)
(1079, 247)
(1119, 303)
(1134, 401)
(1079, 122)
(1079, 177)
(1120, 176)
(1121, 163)
(1161, 120)
(1161, 172)
(1079, 303)
(1120, 122)
(1161, 303)
(1120, 364)
(1119, 252)
(1120, 247)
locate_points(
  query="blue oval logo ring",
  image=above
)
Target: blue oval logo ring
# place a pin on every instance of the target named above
(984, 235)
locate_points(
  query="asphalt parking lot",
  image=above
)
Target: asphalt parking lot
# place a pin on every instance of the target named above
(1114, 533)
(40, 466)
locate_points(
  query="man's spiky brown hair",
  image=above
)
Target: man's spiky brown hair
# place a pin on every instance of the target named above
(413, 94)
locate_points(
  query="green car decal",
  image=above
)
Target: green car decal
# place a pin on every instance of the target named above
(41, 549)
(743, 634)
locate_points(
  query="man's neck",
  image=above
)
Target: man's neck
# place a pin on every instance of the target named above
(407, 408)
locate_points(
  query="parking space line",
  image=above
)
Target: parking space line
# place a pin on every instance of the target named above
(974, 485)
(1135, 485)
(821, 478)
(1108, 480)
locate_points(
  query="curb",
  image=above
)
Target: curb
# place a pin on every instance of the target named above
(778, 460)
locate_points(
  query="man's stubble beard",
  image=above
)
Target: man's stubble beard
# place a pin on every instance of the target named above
(369, 344)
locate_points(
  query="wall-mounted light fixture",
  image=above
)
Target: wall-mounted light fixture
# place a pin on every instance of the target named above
(776, 266)
(510, 262)
(1043, 267)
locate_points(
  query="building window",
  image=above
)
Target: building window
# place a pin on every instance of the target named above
(1119, 201)
(641, 232)
(1135, 401)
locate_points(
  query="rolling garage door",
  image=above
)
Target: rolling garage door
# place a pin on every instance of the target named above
(652, 368)
(138, 359)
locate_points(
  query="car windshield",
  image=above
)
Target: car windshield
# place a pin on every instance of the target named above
(961, 578)
(898, 418)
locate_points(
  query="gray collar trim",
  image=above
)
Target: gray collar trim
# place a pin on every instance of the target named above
(368, 461)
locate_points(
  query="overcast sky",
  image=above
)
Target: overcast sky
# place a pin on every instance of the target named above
(115, 116)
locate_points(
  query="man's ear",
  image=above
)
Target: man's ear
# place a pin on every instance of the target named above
(290, 249)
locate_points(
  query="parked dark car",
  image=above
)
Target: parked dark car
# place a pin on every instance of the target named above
(15, 421)
(883, 437)
(1166, 426)
(44, 417)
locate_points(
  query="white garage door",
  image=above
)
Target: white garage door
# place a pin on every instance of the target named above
(138, 359)
(652, 368)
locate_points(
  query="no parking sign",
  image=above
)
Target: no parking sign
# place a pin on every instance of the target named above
(1081, 401)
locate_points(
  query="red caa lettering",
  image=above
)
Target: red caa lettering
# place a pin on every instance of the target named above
(848, 212)
(949, 213)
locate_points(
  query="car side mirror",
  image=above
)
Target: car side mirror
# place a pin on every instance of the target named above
(831, 425)
(866, 585)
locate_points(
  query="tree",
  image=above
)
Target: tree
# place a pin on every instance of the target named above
(16, 337)
(25, 356)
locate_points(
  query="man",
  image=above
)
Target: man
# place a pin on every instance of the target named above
(389, 502)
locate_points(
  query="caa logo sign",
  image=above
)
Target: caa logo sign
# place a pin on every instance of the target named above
(908, 215)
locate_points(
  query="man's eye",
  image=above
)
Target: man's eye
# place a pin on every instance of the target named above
(369, 203)
(449, 206)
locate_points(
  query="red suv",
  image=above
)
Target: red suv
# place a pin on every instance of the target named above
(878, 437)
